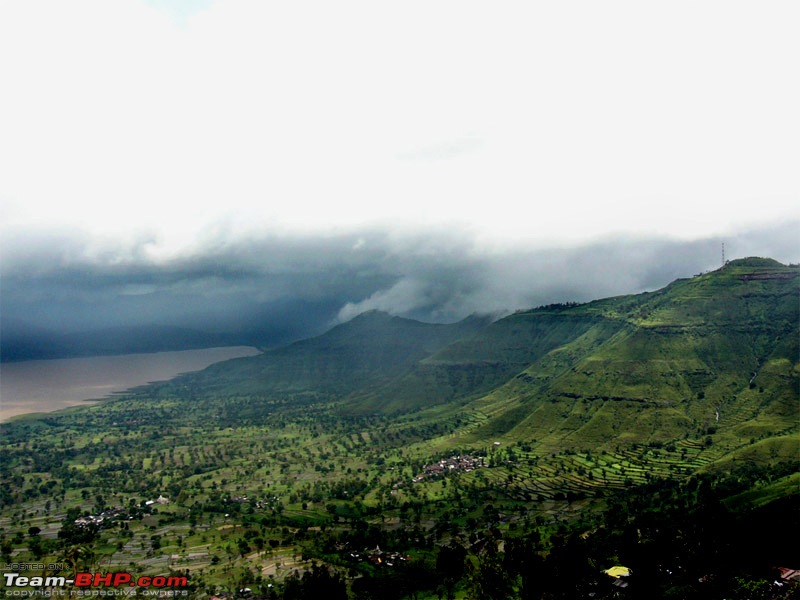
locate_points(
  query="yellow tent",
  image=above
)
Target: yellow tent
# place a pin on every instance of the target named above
(618, 572)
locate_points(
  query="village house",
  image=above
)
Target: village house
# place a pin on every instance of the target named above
(455, 464)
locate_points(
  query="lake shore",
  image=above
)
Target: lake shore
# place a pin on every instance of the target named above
(40, 386)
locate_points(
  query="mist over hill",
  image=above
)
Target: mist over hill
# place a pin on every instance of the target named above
(61, 298)
(718, 350)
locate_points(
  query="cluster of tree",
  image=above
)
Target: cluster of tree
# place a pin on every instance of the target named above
(559, 305)
(677, 538)
(318, 582)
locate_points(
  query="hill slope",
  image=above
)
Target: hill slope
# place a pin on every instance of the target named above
(715, 355)
(477, 364)
(712, 358)
(369, 350)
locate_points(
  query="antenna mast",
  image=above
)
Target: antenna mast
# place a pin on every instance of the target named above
(723, 254)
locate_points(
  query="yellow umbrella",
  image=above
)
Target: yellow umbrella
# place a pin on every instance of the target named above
(618, 572)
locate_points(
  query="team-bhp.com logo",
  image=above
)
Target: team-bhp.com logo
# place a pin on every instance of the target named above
(161, 585)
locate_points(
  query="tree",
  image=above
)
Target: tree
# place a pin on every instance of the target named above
(243, 546)
(319, 582)
(72, 533)
(524, 563)
(450, 565)
(488, 579)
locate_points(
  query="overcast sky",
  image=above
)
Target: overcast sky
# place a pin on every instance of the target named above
(429, 158)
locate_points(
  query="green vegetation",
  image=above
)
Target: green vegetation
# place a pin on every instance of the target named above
(657, 431)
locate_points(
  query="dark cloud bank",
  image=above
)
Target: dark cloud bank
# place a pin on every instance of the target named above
(272, 290)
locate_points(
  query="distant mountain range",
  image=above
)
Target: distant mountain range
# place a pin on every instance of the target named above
(715, 355)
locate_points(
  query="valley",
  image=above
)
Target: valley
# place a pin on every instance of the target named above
(388, 458)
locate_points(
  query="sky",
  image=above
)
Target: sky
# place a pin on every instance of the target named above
(210, 162)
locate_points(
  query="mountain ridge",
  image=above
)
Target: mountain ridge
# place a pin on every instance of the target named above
(370, 348)
(658, 378)
(713, 353)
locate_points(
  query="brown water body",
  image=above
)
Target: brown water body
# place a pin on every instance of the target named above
(46, 385)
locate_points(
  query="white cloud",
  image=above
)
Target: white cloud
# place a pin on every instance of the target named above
(404, 296)
(527, 121)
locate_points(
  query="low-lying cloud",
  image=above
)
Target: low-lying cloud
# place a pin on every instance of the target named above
(287, 287)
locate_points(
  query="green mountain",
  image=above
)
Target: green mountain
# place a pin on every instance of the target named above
(714, 357)
(474, 365)
(716, 354)
(369, 350)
